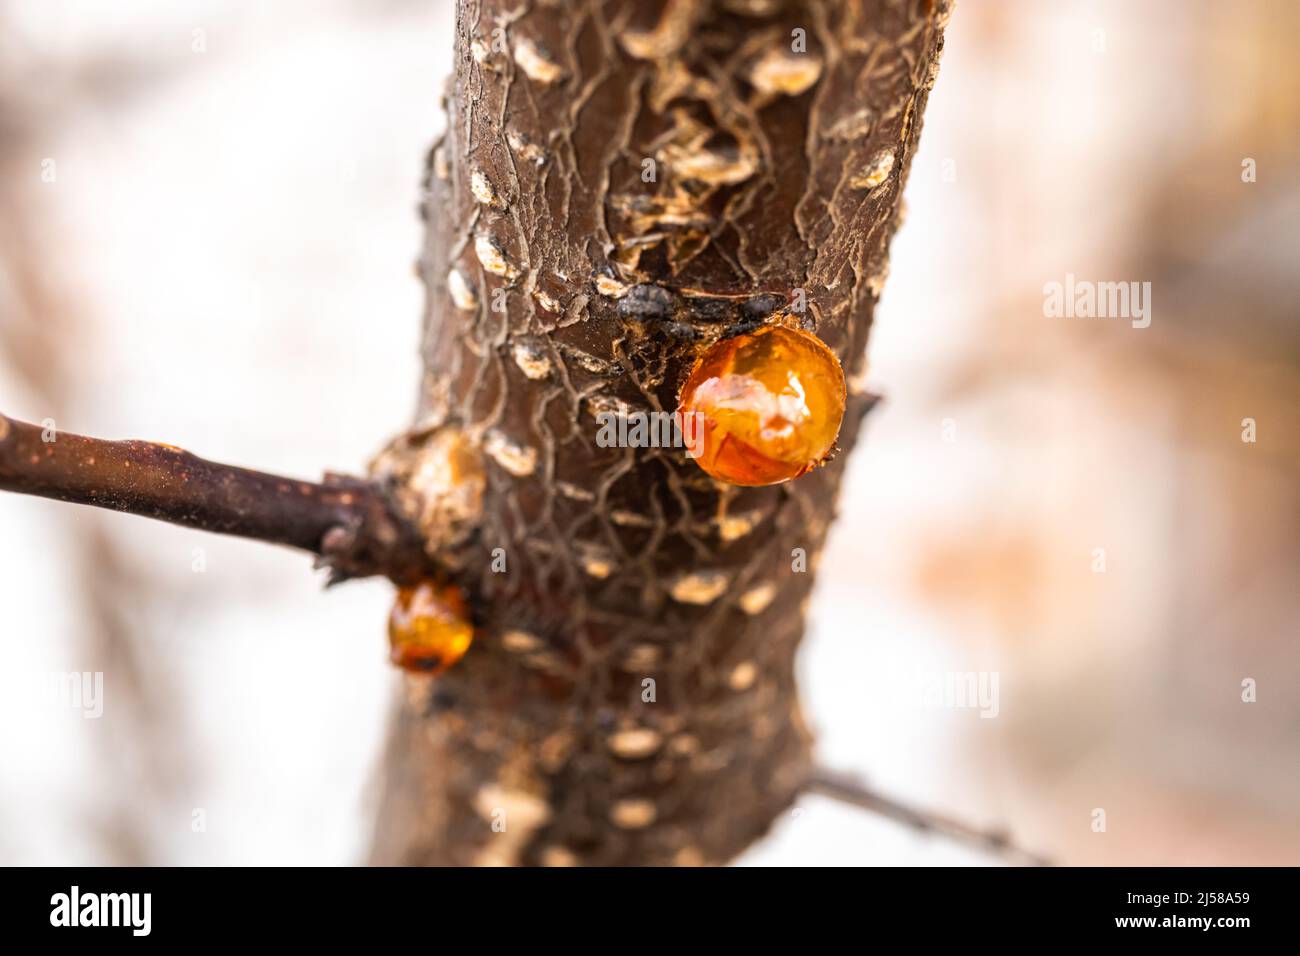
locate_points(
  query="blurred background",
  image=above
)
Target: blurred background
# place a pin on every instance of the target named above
(207, 230)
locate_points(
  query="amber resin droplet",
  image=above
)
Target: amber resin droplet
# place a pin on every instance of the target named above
(429, 628)
(766, 406)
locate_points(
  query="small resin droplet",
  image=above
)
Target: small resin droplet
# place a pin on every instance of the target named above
(428, 629)
(763, 408)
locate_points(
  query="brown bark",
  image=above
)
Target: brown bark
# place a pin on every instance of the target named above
(349, 524)
(562, 283)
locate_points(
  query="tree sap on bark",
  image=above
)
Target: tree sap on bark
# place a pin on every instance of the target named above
(622, 185)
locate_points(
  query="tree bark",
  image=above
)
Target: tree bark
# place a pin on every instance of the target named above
(621, 185)
(349, 524)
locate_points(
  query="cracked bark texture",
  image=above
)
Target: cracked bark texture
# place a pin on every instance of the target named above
(621, 184)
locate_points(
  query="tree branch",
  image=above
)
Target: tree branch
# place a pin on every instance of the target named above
(349, 523)
(848, 789)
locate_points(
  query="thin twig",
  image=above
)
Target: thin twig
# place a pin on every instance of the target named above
(848, 789)
(349, 523)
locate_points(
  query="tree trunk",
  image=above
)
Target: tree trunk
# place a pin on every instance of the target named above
(621, 184)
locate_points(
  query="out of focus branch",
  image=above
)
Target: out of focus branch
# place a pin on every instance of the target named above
(848, 789)
(349, 523)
